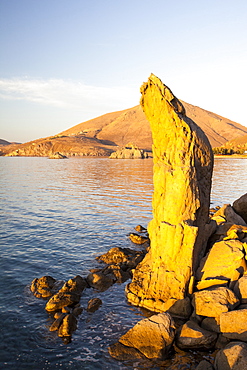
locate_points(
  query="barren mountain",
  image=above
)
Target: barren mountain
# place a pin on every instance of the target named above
(237, 143)
(132, 125)
(101, 135)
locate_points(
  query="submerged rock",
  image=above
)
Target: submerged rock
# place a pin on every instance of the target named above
(183, 163)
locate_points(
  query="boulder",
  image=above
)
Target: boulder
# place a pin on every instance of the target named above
(68, 326)
(77, 311)
(225, 261)
(94, 304)
(181, 308)
(140, 229)
(117, 273)
(76, 285)
(138, 239)
(57, 155)
(60, 300)
(129, 152)
(233, 324)
(204, 365)
(227, 214)
(240, 289)
(192, 336)
(214, 301)
(210, 283)
(240, 206)
(68, 295)
(56, 324)
(123, 353)
(118, 255)
(100, 281)
(228, 230)
(42, 287)
(232, 357)
(152, 337)
(183, 163)
(210, 324)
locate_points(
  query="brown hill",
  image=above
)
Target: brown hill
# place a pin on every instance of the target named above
(239, 142)
(131, 125)
(101, 135)
(67, 145)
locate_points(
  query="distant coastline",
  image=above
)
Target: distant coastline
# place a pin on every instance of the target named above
(231, 156)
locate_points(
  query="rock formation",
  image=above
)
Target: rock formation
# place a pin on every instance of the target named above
(183, 163)
(129, 152)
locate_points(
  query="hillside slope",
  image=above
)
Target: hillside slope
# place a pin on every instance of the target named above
(131, 125)
(100, 136)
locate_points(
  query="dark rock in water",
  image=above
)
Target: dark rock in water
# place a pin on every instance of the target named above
(60, 300)
(100, 281)
(119, 255)
(76, 285)
(42, 287)
(56, 324)
(118, 273)
(57, 155)
(94, 304)
(140, 229)
(68, 326)
(77, 311)
(138, 239)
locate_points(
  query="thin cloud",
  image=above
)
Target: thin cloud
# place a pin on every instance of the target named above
(66, 93)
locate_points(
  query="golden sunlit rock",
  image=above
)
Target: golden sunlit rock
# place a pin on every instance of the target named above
(183, 163)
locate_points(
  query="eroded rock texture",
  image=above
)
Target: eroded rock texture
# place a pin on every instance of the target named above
(183, 164)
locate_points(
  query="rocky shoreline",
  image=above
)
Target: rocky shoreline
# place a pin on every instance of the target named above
(192, 274)
(211, 320)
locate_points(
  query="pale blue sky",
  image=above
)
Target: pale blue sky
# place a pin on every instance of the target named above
(66, 61)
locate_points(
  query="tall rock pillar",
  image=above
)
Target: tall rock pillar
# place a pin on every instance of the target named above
(183, 164)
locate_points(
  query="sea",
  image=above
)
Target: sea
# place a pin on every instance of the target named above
(56, 217)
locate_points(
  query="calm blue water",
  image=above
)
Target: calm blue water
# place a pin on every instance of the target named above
(56, 217)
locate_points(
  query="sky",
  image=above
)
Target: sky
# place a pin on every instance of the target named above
(67, 61)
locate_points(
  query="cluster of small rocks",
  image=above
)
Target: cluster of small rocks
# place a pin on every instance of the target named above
(64, 298)
(214, 317)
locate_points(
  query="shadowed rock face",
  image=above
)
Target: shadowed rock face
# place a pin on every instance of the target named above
(183, 163)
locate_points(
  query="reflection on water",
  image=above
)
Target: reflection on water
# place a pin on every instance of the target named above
(56, 217)
(229, 180)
